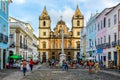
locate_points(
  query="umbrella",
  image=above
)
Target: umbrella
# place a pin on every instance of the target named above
(90, 58)
(15, 56)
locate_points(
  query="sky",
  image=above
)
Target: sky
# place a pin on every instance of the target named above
(30, 10)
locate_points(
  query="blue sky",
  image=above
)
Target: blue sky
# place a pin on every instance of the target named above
(30, 10)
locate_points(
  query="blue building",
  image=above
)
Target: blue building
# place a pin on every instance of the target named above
(4, 32)
(91, 29)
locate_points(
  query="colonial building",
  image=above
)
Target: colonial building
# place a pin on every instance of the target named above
(91, 27)
(50, 41)
(22, 41)
(83, 44)
(4, 32)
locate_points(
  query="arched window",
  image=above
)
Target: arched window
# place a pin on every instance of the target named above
(44, 44)
(78, 23)
(44, 23)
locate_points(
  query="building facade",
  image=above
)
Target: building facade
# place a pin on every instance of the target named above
(4, 32)
(50, 41)
(83, 44)
(22, 41)
(112, 20)
(102, 44)
(91, 28)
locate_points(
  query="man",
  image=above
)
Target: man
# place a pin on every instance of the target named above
(24, 63)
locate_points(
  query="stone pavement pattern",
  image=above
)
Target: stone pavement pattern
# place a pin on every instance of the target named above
(45, 73)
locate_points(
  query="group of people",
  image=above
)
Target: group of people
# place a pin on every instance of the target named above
(24, 66)
(91, 65)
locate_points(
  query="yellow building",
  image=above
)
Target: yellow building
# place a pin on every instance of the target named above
(50, 41)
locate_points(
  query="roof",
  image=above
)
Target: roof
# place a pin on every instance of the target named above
(112, 9)
(78, 12)
(44, 14)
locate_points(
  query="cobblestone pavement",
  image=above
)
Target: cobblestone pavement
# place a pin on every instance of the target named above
(45, 73)
(6, 72)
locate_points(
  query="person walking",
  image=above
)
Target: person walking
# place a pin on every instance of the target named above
(24, 64)
(90, 66)
(31, 64)
(97, 67)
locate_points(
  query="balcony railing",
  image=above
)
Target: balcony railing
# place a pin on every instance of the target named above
(108, 45)
(12, 45)
(25, 47)
(114, 43)
(3, 38)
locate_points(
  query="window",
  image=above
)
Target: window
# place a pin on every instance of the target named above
(78, 33)
(95, 26)
(78, 23)
(98, 41)
(115, 37)
(4, 6)
(53, 53)
(44, 33)
(98, 26)
(44, 23)
(11, 38)
(108, 22)
(109, 55)
(109, 39)
(95, 42)
(104, 22)
(104, 39)
(101, 24)
(115, 19)
(0, 3)
(69, 44)
(4, 29)
(20, 41)
(44, 44)
(78, 44)
(101, 40)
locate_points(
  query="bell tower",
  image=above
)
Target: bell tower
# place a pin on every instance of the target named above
(44, 24)
(77, 23)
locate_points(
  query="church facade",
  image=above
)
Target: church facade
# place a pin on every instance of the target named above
(50, 41)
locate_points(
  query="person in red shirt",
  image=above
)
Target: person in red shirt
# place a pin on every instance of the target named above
(31, 64)
(90, 66)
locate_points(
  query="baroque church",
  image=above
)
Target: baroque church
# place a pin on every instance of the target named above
(49, 42)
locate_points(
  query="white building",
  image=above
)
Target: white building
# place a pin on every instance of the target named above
(112, 35)
(21, 39)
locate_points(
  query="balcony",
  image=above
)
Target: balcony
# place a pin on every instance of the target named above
(104, 45)
(25, 46)
(3, 38)
(12, 45)
(108, 45)
(114, 43)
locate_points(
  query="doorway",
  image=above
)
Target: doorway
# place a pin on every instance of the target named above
(115, 58)
(4, 58)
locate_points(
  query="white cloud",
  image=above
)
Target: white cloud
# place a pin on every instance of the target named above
(19, 1)
(66, 14)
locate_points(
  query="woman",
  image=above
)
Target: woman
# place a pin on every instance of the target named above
(31, 64)
(96, 66)
(24, 63)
